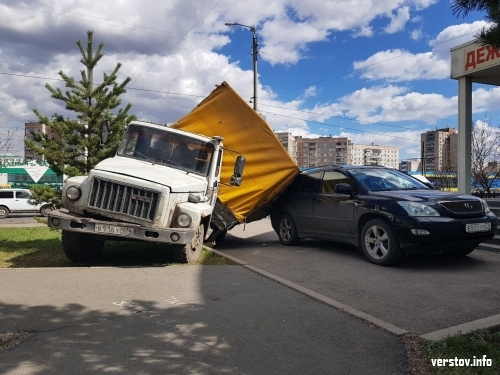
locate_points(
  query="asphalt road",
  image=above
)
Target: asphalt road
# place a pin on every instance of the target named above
(424, 294)
(18, 219)
(181, 320)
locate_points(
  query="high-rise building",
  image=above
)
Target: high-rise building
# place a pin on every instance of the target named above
(315, 152)
(388, 156)
(288, 142)
(439, 150)
(34, 127)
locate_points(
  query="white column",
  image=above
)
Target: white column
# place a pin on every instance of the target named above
(464, 134)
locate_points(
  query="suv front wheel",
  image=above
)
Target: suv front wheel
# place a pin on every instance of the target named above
(380, 243)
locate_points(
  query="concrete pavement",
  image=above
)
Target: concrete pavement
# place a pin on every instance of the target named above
(181, 320)
(431, 296)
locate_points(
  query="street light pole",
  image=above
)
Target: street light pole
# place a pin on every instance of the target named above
(254, 54)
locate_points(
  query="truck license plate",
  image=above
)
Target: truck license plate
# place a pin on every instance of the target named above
(477, 227)
(113, 229)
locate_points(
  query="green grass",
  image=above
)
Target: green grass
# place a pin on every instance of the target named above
(41, 247)
(476, 344)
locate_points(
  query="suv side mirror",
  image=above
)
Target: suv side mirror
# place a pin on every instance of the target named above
(237, 176)
(343, 188)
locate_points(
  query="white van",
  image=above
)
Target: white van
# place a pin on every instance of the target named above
(16, 201)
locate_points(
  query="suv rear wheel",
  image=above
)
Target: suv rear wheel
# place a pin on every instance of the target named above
(287, 232)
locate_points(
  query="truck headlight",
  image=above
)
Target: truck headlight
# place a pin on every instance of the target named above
(418, 209)
(73, 193)
(184, 220)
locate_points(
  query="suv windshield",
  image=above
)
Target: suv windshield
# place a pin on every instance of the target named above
(379, 179)
(167, 148)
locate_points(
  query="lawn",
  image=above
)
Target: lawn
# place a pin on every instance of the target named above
(41, 247)
(478, 346)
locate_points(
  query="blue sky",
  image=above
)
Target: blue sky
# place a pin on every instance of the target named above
(375, 71)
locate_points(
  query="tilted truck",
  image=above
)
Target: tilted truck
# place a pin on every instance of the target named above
(269, 169)
(177, 185)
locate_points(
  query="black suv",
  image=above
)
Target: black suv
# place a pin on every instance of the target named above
(382, 211)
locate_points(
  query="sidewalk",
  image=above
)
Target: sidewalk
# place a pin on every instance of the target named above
(182, 320)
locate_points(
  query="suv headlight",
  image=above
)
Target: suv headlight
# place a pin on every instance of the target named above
(418, 209)
(486, 208)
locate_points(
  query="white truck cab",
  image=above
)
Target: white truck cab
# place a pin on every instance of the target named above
(161, 186)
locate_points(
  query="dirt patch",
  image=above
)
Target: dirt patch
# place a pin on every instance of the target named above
(417, 362)
(11, 340)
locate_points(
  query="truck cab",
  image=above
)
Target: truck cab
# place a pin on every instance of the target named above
(161, 186)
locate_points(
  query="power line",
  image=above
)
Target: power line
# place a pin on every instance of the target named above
(120, 24)
(342, 127)
(201, 96)
(182, 37)
(373, 64)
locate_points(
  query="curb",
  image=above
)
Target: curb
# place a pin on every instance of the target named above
(319, 297)
(484, 323)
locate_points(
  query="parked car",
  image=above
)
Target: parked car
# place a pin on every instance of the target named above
(17, 201)
(382, 211)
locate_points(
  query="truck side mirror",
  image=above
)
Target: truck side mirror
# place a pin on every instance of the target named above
(104, 132)
(237, 177)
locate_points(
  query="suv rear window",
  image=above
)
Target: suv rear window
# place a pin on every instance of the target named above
(6, 194)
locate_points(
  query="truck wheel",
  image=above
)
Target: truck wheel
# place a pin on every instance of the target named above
(4, 212)
(191, 252)
(380, 243)
(45, 210)
(80, 247)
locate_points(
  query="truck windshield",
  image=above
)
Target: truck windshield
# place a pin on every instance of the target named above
(167, 148)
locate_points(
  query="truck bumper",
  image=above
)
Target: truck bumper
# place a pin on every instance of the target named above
(65, 220)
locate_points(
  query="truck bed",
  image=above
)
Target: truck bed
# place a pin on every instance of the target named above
(268, 168)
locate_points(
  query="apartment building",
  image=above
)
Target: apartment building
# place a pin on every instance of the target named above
(388, 156)
(288, 142)
(439, 150)
(315, 152)
(34, 127)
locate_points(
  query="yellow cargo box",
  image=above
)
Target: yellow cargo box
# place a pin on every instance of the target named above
(268, 168)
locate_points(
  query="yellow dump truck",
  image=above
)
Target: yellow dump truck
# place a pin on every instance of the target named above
(268, 167)
(180, 185)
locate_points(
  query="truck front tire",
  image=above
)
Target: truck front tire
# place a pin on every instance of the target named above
(191, 252)
(80, 247)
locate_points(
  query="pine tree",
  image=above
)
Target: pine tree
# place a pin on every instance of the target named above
(75, 149)
(488, 35)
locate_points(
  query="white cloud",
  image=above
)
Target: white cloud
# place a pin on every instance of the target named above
(398, 20)
(400, 65)
(416, 34)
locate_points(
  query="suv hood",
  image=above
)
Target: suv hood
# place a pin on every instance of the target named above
(423, 195)
(178, 180)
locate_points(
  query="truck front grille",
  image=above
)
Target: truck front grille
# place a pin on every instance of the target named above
(124, 199)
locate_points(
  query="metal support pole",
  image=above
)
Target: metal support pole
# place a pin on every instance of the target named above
(254, 54)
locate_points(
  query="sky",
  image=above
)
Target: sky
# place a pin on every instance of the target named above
(376, 71)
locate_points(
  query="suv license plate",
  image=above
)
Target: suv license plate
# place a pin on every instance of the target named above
(477, 227)
(113, 229)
